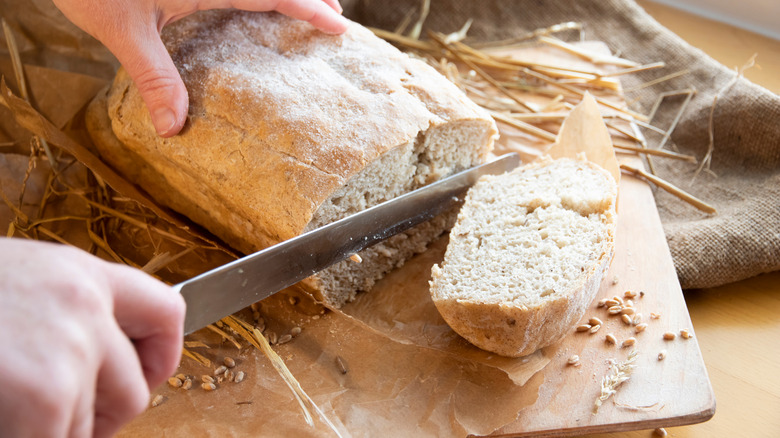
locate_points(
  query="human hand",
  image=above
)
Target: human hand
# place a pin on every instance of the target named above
(83, 341)
(130, 29)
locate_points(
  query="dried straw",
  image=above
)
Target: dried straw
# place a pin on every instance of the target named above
(707, 160)
(16, 61)
(619, 373)
(256, 338)
(197, 357)
(671, 188)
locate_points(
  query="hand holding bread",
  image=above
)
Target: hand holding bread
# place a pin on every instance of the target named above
(131, 31)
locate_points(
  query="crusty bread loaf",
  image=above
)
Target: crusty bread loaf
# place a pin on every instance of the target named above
(290, 129)
(527, 255)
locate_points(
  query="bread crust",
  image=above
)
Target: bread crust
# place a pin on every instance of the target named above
(280, 117)
(517, 330)
(514, 331)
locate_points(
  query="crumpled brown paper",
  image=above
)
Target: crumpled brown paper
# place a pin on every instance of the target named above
(367, 384)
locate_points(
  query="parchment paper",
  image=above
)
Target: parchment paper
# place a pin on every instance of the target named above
(425, 381)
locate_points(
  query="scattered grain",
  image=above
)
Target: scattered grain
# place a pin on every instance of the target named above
(615, 280)
(220, 370)
(229, 375)
(669, 336)
(295, 331)
(641, 294)
(187, 384)
(629, 303)
(239, 377)
(208, 386)
(293, 300)
(157, 400)
(574, 360)
(206, 379)
(685, 334)
(611, 303)
(654, 315)
(220, 324)
(356, 258)
(256, 315)
(602, 303)
(583, 327)
(229, 362)
(175, 382)
(641, 327)
(662, 355)
(610, 339)
(626, 319)
(628, 342)
(629, 294)
(615, 310)
(618, 299)
(628, 311)
(285, 339)
(181, 376)
(272, 337)
(660, 432)
(595, 321)
(595, 328)
(637, 319)
(255, 307)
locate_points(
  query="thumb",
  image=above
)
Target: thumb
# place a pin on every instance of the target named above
(148, 63)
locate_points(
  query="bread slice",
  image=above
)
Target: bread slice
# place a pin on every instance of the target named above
(290, 129)
(527, 255)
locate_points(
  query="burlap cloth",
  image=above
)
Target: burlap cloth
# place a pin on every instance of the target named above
(741, 241)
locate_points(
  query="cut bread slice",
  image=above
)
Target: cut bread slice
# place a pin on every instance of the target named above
(527, 255)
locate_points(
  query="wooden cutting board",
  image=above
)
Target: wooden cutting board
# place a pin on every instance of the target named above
(660, 393)
(671, 392)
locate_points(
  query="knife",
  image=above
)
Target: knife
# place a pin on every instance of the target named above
(231, 287)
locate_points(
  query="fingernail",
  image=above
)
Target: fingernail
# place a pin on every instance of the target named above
(164, 120)
(340, 9)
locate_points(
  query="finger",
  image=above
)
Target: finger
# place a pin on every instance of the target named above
(325, 15)
(83, 422)
(121, 392)
(152, 315)
(335, 5)
(319, 14)
(142, 53)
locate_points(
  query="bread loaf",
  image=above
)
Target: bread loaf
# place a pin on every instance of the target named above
(527, 255)
(289, 129)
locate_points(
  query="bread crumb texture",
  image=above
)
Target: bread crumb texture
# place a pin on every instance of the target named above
(527, 255)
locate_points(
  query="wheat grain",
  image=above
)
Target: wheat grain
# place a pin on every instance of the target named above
(157, 400)
(583, 327)
(175, 382)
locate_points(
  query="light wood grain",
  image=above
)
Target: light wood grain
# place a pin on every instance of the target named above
(737, 325)
(675, 391)
(727, 44)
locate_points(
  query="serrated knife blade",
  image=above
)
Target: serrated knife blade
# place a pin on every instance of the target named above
(231, 287)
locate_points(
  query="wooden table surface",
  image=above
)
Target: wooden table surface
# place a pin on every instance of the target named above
(738, 325)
